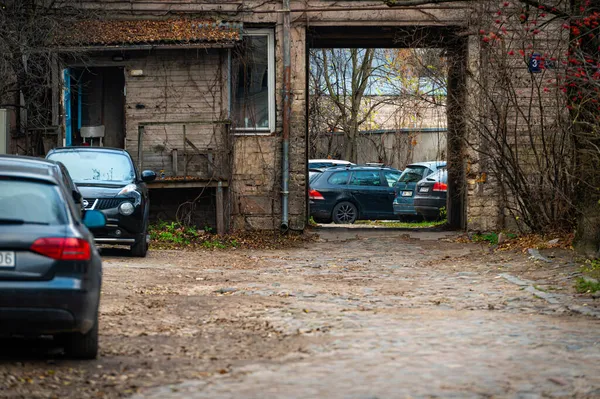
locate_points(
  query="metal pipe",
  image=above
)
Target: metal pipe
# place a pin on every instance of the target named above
(287, 110)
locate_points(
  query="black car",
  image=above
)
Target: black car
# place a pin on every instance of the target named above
(50, 269)
(110, 183)
(430, 195)
(344, 194)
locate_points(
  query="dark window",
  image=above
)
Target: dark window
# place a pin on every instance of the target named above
(412, 174)
(31, 202)
(391, 177)
(251, 106)
(339, 178)
(365, 178)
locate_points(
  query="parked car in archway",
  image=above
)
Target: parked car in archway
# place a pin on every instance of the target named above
(430, 195)
(405, 187)
(345, 194)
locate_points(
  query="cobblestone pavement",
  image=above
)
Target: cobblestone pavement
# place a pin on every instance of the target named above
(397, 316)
(357, 315)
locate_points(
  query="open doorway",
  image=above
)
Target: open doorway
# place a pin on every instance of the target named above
(382, 103)
(97, 106)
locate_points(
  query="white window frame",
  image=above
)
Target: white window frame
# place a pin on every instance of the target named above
(270, 33)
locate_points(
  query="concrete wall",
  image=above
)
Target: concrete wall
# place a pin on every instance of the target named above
(396, 149)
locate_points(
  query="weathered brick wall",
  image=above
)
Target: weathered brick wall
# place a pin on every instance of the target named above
(525, 110)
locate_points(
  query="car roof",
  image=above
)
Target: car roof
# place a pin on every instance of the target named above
(88, 148)
(330, 160)
(355, 167)
(428, 164)
(28, 167)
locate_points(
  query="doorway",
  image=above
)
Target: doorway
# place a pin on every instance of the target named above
(97, 103)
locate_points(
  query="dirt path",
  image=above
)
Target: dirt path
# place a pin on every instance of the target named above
(375, 314)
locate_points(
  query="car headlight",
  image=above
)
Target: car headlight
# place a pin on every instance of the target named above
(127, 189)
(126, 208)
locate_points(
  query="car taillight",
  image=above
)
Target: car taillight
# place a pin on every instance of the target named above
(315, 195)
(62, 248)
(437, 186)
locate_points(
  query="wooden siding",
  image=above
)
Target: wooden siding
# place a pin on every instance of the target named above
(179, 89)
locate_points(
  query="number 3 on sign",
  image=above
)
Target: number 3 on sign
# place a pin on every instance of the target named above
(535, 63)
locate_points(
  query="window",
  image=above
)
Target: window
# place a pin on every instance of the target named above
(412, 174)
(31, 202)
(96, 166)
(365, 178)
(339, 178)
(391, 177)
(253, 82)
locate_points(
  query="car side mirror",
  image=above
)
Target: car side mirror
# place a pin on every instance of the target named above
(148, 176)
(94, 219)
(77, 195)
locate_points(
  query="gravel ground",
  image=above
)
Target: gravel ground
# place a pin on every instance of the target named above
(358, 314)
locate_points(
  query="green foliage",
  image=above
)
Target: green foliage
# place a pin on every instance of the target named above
(490, 238)
(584, 286)
(175, 234)
(443, 213)
(591, 268)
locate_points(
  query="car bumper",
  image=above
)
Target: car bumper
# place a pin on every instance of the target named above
(47, 307)
(404, 209)
(320, 210)
(429, 207)
(120, 229)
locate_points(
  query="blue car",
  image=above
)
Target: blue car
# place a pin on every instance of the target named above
(50, 269)
(405, 187)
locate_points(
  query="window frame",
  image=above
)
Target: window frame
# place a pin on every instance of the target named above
(270, 33)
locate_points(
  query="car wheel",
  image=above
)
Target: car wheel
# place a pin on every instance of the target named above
(140, 248)
(344, 213)
(82, 346)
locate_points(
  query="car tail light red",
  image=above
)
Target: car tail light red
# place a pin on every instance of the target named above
(440, 186)
(315, 195)
(62, 248)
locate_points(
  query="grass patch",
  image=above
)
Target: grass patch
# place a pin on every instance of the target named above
(397, 223)
(173, 235)
(591, 268)
(584, 286)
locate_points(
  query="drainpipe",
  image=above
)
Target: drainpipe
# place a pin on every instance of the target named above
(285, 161)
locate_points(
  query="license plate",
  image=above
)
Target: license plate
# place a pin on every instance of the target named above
(7, 259)
(424, 189)
(407, 193)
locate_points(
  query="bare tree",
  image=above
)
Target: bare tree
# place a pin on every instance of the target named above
(349, 89)
(29, 32)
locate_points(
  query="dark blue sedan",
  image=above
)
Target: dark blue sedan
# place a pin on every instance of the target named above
(50, 269)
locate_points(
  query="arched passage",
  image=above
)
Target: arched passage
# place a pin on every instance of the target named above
(455, 47)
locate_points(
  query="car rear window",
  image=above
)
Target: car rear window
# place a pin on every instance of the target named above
(412, 174)
(339, 178)
(96, 167)
(31, 202)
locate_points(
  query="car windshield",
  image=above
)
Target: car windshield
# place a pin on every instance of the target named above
(412, 174)
(30, 202)
(96, 167)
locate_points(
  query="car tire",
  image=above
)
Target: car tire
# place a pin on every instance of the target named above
(140, 248)
(82, 346)
(344, 213)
